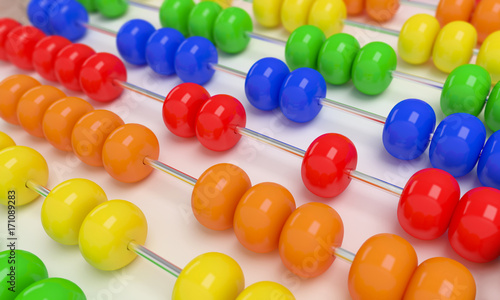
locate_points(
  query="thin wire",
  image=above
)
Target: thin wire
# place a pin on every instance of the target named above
(41, 190)
(169, 170)
(144, 5)
(353, 110)
(270, 141)
(419, 4)
(99, 29)
(371, 27)
(383, 185)
(154, 258)
(417, 79)
(139, 90)
(228, 70)
(344, 254)
(266, 38)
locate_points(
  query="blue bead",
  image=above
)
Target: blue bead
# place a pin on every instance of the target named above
(408, 128)
(67, 20)
(488, 167)
(457, 143)
(131, 41)
(38, 14)
(161, 48)
(263, 82)
(194, 58)
(301, 93)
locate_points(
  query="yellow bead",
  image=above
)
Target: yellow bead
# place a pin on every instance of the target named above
(107, 231)
(267, 12)
(417, 37)
(294, 13)
(328, 15)
(454, 45)
(210, 276)
(19, 164)
(6, 141)
(266, 290)
(489, 56)
(67, 205)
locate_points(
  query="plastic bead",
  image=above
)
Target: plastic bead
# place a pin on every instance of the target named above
(267, 12)
(408, 128)
(492, 111)
(98, 75)
(416, 39)
(454, 10)
(161, 48)
(457, 143)
(382, 268)
(175, 14)
(112, 8)
(309, 237)
(194, 58)
(202, 19)
(485, 18)
(90, 5)
(488, 56)
(301, 94)
(104, 244)
(454, 45)
(131, 41)
(44, 55)
(6, 26)
(52, 288)
(67, 205)
(209, 276)
(19, 164)
(181, 107)
(11, 90)
(328, 15)
(354, 7)
(216, 195)
(303, 46)
(381, 10)
(372, 68)
(294, 13)
(260, 216)
(266, 290)
(336, 57)
(231, 30)
(474, 231)
(20, 45)
(488, 167)
(427, 203)
(38, 13)
(217, 121)
(6, 141)
(68, 64)
(263, 82)
(67, 20)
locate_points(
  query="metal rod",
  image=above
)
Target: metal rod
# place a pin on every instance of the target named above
(383, 185)
(265, 38)
(41, 190)
(372, 27)
(345, 255)
(270, 141)
(228, 70)
(99, 29)
(169, 170)
(353, 110)
(139, 90)
(419, 4)
(417, 79)
(144, 5)
(154, 258)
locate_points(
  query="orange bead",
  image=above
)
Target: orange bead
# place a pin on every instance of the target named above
(260, 216)
(308, 239)
(441, 278)
(486, 18)
(382, 10)
(60, 119)
(354, 7)
(89, 135)
(11, 90)
(382, 268)
(125, 150)
(216, 195)
(32, 106)
(454, 10)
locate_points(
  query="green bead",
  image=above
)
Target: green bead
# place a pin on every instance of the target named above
(202, 19)
(26, 268)
(372, 68)
(231, 28)
(175, 14)
(303, 46)
(492, 111)
(112, 8)
(52, 288)
(336, 57)
(465, 90)
(90, 5)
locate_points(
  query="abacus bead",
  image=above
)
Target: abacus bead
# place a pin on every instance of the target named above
(372, 68)
(89, 5)
(181, 107)
(6, 26)
(328, 15)
(382, 268)
(38, 13)
(104, 244)
(454, 10)
(112, 8)
(303, 46)
(11, 90)
(326, 165)
(20, 45)
(488, 56)
(492, 110)
(45, 53)
(267, 12)
(217, 121)
(161, 48)
(231, 30)
(474, 231)
(216, 195)
(194, 58)
(5, 141)
(301, 94)
(266, 290)
(417, 37)
(408, 128)
(98, 74)
(131, 41)
(52, 288)
(263, 82)
(485, 19)
(32, 107)
(260, 216)
(294, 13)
(309, 238)
(66, 206)
(488, 167)
(175, 14)
(427, 203)
(381, 10)
(336, 57)
(457, 143)
(67, 20)
(209, 276)
(435, 273)
(19, 164)
(465, 90)
(354, 7)
(68, 65)
(90, 133)
(202, 19)
(454, 45)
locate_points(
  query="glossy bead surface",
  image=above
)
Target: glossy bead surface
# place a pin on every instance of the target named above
(485, 18)
(488, 56)
(6, 141)
(20, 45)
(354, 7)
(11, 90)
(328, 16)
(175, 14)
(52, 288)
(303, 46)
(112, 8)
(44, 55)
(161, 48)
(294, 13)
(216, 195)
(68, 64)
(202, 19)
(231, 30)
(381, 10)
(336, 57)
(266, 290)
(416, 39)
(488, 167)
(492, 110)
(67, 20)
(131, 41)
(408, 128)
(454, 10)
(267, 12)
(90, 5)
(193, 60)
(6, 26)
(38, 14)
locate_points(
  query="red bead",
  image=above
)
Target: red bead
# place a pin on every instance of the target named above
(6, 26)
(427, 203)
(217, 121)
(326, 164)
(20, 45)
(181, 107)
(474, 231)
(68, 64)
(98, 76)
(44, 55)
